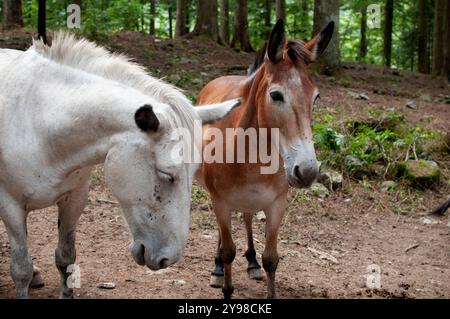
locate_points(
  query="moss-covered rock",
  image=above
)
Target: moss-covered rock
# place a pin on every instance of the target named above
(330, 179)
(356, 168)
(319, 190)
(388, 186)
(420, 174)
(395, 124)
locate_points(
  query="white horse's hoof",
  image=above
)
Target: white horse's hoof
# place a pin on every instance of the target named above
(37, 281)
(255, 274)
(216, 281)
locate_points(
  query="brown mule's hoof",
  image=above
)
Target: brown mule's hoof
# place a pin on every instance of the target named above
(256, 274)
(37, 281)
(216, 281)
(227, 293)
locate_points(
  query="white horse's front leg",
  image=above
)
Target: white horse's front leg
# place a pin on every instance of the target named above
(21, 265)
(70, 209)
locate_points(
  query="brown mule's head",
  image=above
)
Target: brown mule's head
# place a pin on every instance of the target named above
(285, 98)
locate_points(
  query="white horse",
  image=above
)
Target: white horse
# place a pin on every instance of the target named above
(68, 107)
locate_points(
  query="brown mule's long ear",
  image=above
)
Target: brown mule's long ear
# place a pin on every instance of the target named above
(277, 41)
(320, 42)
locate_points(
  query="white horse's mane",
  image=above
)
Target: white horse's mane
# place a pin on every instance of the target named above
(81, 54)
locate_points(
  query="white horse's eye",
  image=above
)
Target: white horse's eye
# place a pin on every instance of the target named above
(165, 176)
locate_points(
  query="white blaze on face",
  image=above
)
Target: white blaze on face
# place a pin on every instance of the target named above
(298, 152)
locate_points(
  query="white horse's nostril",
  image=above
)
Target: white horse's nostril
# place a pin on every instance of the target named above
(164, 263)
(138, 252)
(297, 173)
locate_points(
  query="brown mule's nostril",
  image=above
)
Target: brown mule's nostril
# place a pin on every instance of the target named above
(164, 263)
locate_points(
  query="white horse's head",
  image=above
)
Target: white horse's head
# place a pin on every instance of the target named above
(153, 182)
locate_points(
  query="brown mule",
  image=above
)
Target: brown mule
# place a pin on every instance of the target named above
(279, 94)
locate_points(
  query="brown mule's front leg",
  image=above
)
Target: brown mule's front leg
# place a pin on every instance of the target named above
(274, 216)
(216, 280)
(227, 249)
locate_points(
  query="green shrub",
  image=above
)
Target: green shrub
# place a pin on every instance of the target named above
(361, 147)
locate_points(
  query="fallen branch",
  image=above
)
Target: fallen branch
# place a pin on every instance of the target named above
(323, 255)
(411, 247)
(107, 201)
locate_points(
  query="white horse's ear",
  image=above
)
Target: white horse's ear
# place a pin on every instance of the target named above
(146, 119)
(319, 43)
(212, 113)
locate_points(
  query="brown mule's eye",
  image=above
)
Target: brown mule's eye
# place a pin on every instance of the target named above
(277, 96)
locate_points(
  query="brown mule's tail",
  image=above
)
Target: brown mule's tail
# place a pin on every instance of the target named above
(442, 209)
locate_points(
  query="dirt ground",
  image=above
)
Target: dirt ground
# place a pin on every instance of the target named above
(325, 245)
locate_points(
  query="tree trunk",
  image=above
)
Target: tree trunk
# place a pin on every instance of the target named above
(152, 16)
(12, 14)
(267, 18)
(304, 19)
(363, 28)
(142, 17)
(170, 10)
(188, 16)
(78, 2)
(438, 37)
(42, 21)
(447, 37)
(225, 21)
(281, 9)
(180, 28)
(240, 37)
(388, 21)
(423, 38)
(324, 12)
(207, 19)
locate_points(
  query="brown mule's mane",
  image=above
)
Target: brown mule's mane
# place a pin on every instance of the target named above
(297, 51)
(259, 59)
(295, 48)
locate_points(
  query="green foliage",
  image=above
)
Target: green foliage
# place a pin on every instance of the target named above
(198, 195)
(299, 17)
(326, 135)
(102, 16)
(404, 37)
(371, 147)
